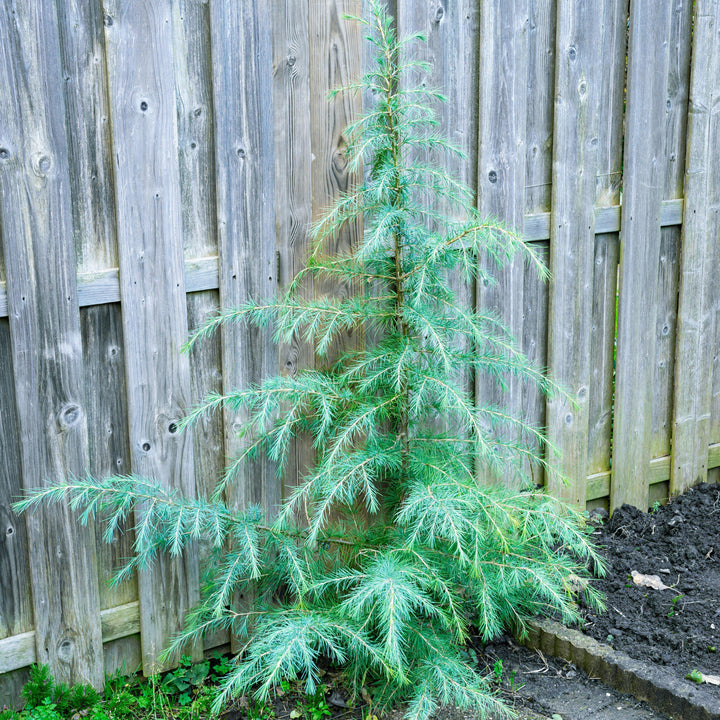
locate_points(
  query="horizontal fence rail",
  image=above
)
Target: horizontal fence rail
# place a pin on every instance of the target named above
(159, 160)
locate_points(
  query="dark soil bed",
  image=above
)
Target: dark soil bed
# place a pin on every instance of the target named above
(679, 627)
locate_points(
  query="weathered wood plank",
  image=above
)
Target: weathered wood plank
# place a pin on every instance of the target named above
(336, 60)
(540, 110)
(84, 72)
(640, 248)
(18, 651)
(109, 446)
(602, 355)
(665, 315)
(242, 92)
(244, 164)
(196, 150)
(699, 258)
(143, 108)
(452, 50)
(16, 612)
(608, 185)
(293, 163)
(206, 377)
(502, 129)
(673, 164)
(45, 334)
(572, 244)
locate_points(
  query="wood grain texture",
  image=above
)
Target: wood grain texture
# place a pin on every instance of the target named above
(602, 355)
(336, 60)
(451, 49)
(675, 132)
(196, 153)
(84, 74)
(572, 243)
(242, 92)
(206, 377)
(16, 612)
(665, 313)
(699, 255)
(293, 163)
(613, 41)
(504, 87)
(540, 110)
(45, 334)
(143, 106)
(196, 148)
(640, 248)
(109, 446)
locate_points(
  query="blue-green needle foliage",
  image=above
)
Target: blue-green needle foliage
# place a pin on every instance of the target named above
(395, 545)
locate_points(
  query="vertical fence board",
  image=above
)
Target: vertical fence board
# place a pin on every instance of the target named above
(242, 91)
(336, 61)
(572, 241)
(639, 249)
(451, 49)
(541, 81)
(503, 90)
(196, 157)
(152, 287)
(206, 377)
(609, 181)
(101, 328)
(665, 320)
(16, 614)
(293, 162)
(699, 256)
(82, 47)
(675, 131)
(45, 335)
(196, 151)
(109, 453)
(533, 328)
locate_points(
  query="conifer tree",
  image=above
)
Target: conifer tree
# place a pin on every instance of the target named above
(405, 548)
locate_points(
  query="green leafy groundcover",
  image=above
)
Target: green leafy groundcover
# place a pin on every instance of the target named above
(186, 693)
(418, 519)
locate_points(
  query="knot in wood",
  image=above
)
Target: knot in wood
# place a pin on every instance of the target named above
(146, 447)
(291, 60)
(439, 13)
(143, 105)
(492, 176)
(70, 415)
(108, 21)
(4, 153)
(572, 52)
(66, 648)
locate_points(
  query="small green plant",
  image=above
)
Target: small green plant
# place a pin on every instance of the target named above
(498, 671)
(315, 707)
(655, 507)
(695, 675)
(673, 605)
(399, 540)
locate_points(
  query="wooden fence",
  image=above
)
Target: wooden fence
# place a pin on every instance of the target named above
(161, 158)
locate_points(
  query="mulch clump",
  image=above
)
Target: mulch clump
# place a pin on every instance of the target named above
(677, 627)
